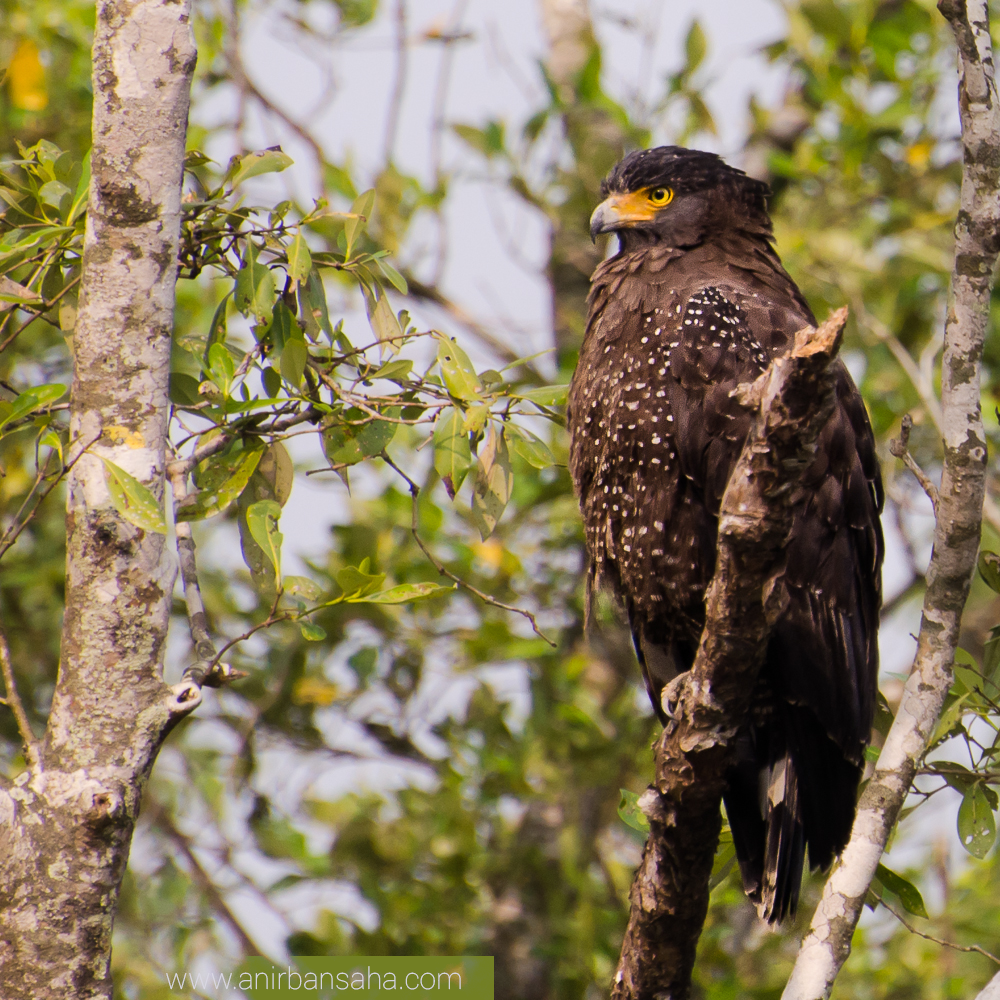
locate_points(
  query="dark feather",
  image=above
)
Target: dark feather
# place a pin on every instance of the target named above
(695, 303)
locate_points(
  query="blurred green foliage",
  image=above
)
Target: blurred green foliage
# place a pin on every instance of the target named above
(434, 777)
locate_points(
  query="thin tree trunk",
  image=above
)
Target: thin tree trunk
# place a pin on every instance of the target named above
(959, 514)
(67, 821)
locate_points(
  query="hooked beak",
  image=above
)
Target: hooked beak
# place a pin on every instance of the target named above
(618, 211)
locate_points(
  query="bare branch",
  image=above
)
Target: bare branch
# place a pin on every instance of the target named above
(159, 815)
(444, 571)
(900, 448)
(13, 701)
(971, 948)
(959, 514)
(669, 898)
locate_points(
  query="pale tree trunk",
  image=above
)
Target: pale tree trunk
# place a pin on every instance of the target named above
(66, 822)
(991, 991)
(959, 514)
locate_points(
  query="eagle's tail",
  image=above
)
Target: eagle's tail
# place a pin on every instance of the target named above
(765, 815)
(790, 788)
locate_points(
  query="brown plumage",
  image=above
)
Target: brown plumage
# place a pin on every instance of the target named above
(695, 302)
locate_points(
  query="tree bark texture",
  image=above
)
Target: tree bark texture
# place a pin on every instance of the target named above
(991, 991)
(669, 898)
(66, 822)
(959, 513)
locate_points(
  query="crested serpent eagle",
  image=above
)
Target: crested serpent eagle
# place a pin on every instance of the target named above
(694, 303)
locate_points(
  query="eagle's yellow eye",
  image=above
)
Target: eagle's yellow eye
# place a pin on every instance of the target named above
(660, 196)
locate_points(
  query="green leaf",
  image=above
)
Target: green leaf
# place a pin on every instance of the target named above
(294, 357)
(134, 501)
(725, 859)
(31, 400)
(255, 289)
(531, 448)
(299, 259)
(548, 395)
(630, 813)
(79, 204)
(347, 443)
(695, 47)
(50, 439)
(184, 389)
(13, 293)
(262, 520)
(977, 828)
(357, 581)
(459, 376)
(493, 484)
(213, 499)
(361, 212)
(401, 594)
(475, 418)
(219, 328)
(395, 278)
(267, 161)
(396, 370)
(272, 480)
(489, 141)
(313, 308)
(908, 893)
(989, 569)
(302, 586)
(272, 381)
(311, 632)
(355, 13)
(384, 324)
(452, 454)
(221, 367)
(53, 193)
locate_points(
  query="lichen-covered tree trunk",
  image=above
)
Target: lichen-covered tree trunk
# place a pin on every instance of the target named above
(959, 513)
(66, 822)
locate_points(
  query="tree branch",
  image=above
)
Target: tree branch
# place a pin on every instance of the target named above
(959, 514)
(13, 701)
(162, 819)
(669, 898)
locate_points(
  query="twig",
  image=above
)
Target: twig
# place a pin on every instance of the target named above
(163, 820)
(900, 448)
(273, 618)
(429, 293)
(14, 703)
(936, 940)
(443, 570)
(924, 387)
(11, 535)
(959, 514)
(200, 672)
(36, 314)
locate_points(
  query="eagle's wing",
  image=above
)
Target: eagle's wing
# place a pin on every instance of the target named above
(800, 756)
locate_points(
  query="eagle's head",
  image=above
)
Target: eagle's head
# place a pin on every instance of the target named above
(679, 196)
